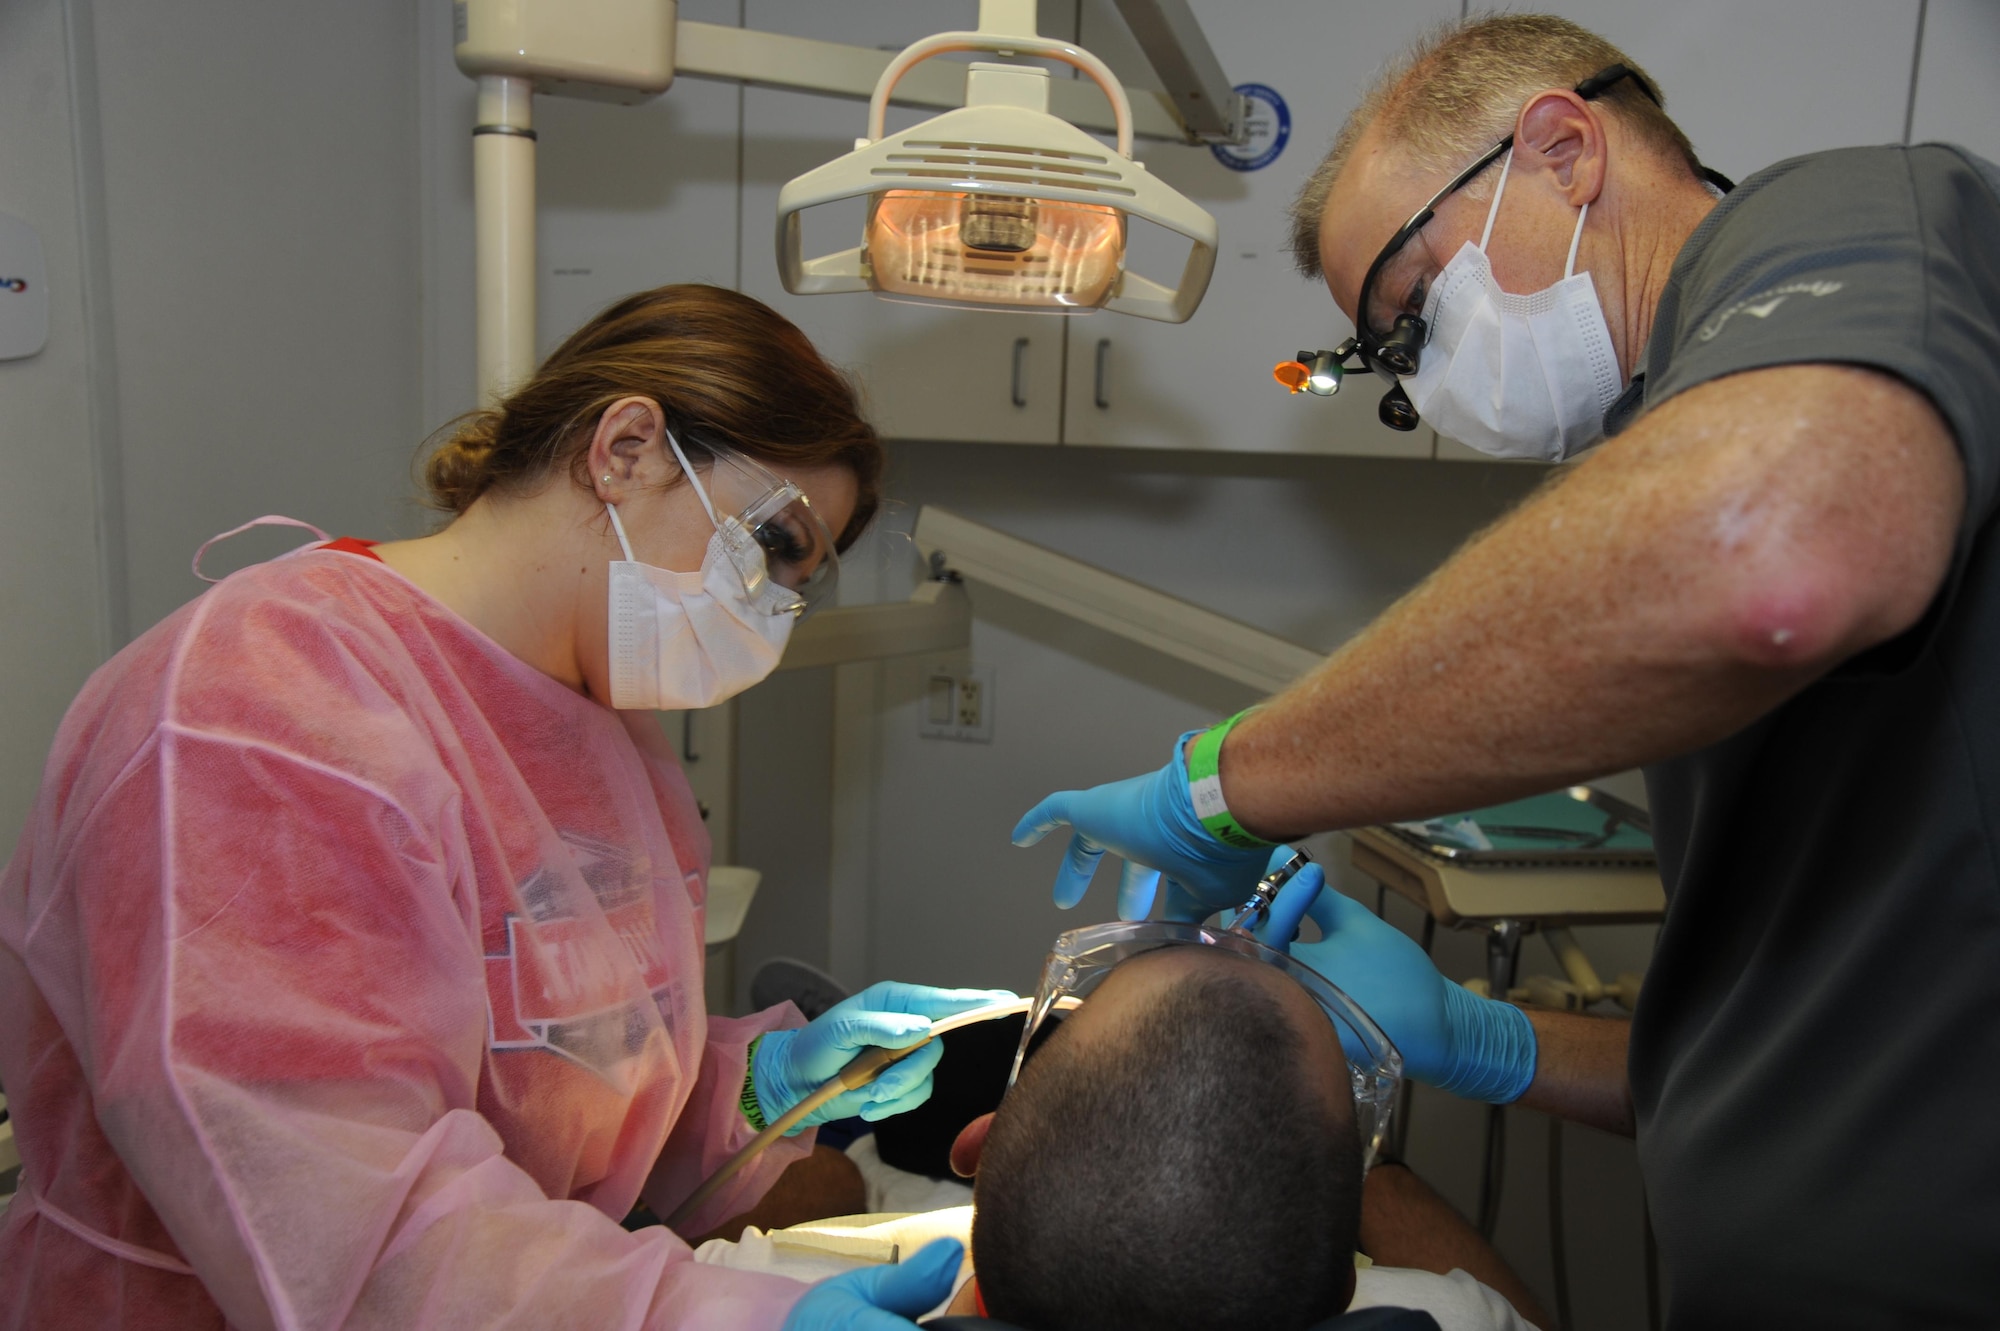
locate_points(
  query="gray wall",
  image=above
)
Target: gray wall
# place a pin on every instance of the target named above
(260, 174)
(51, 557)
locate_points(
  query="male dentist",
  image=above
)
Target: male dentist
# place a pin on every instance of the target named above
(1775, 583)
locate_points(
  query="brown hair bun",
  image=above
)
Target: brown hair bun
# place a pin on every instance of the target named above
(709, 357)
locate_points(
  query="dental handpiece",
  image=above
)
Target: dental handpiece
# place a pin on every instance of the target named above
(1258, 907)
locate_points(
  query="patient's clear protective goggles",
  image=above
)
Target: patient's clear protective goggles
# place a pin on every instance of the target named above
(1082, 958)
(769, 529)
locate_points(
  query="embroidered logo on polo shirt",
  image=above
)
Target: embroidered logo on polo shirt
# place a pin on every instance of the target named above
(1764, 302)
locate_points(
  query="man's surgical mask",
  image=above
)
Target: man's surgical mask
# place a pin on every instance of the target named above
(1510, 375)
(683, 640)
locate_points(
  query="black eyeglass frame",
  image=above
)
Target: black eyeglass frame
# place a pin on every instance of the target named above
(1396, 354)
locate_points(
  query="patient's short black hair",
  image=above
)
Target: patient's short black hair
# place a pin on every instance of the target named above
(1186, 1172)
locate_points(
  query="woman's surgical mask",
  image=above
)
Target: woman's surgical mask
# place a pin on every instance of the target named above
(1510, 375)
(682, 640)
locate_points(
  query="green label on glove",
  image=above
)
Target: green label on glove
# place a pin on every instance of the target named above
(752, 1111)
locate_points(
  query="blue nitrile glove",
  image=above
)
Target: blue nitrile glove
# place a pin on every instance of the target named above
(881, 1298)
(1450, 1038)
(790, 1065)
(1150, 821)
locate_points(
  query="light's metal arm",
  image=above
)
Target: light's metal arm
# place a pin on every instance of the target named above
(1131, 610)
(936, 618)
(1170, 35)
(803, 64)
(938, 615)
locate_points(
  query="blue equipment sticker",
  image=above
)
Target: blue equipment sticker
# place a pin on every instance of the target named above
(1270, 129)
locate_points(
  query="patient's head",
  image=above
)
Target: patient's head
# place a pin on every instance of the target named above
(1181, 1153)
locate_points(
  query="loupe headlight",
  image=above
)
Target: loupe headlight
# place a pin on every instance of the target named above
(1320, 372)
(1082, 958)
(1315, 372)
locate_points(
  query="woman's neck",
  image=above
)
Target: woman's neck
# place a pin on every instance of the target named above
(516, 569)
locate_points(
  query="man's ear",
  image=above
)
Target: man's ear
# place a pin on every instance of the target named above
(1563, 135)
(969, 1146)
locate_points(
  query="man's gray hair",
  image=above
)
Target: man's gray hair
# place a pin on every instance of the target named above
(1458, 92)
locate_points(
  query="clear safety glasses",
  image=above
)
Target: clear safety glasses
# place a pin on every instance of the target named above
(1082, 958)
(772, 532)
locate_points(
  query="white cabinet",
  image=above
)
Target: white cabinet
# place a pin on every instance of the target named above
(928, 372)
(1207, 384)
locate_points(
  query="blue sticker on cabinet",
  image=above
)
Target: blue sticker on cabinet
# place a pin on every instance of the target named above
(1270, 129)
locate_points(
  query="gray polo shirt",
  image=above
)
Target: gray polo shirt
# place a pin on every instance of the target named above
(1816, 1060)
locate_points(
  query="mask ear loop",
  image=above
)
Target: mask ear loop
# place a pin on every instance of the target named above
(1576, 238)
(619, 527)
(1493, 210)
(693, 480)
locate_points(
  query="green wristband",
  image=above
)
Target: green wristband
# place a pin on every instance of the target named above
(1205, 787)
(752, 1110)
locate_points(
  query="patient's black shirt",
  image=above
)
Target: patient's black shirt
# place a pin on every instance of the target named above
(1816, 1058)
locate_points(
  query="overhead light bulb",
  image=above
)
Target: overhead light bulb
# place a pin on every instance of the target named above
(1000, 203)
(1315, 372)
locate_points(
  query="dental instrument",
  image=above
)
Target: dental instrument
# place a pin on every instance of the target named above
(1253, 912)
(865, 1067)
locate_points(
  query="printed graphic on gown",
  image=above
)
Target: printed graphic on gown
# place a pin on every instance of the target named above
(556, 986)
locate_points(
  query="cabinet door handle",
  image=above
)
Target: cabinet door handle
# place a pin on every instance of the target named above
(1103, 346)
(688, 755)
(1020, 393)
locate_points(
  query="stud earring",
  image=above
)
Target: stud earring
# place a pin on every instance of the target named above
(607, 478)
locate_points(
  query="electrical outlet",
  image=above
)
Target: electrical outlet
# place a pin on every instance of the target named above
(958, 704)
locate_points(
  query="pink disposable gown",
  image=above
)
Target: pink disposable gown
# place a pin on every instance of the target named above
(352, 973)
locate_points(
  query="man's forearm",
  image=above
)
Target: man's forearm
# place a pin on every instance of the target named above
(1662, 596)
(1580, 1070)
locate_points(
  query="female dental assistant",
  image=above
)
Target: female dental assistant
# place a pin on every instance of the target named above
(353, 952)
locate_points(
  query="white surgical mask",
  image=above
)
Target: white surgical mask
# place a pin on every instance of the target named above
(1515, 376)
(693, 639)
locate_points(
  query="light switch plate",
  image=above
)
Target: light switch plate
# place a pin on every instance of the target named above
(957, 704)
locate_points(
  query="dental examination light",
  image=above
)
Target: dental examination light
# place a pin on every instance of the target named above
(999, 203)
